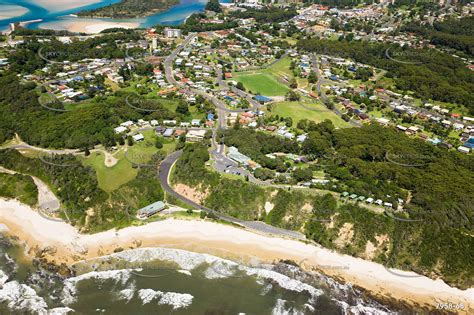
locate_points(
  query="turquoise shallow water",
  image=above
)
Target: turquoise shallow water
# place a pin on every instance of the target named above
(174, 16)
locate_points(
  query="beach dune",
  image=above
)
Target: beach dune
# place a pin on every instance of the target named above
(226, 241)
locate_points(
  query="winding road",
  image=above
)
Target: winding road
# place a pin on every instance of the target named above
(314, 60)
(255, 226)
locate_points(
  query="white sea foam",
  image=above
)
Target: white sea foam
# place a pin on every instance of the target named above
(3, 278)
(127, 294)
(285, 282)
(60, 311)
(184, 259)
(266, 289)
(221, 269)
(186, 272)
(21, 298)
(280, 309)
(360, 309)
(70, 285)
(176, 300)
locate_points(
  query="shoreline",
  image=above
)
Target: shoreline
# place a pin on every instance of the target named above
(65, 244)
(88, 26)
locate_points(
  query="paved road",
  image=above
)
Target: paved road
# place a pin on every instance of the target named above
(315, 64)
(255, 226)
(168, 65)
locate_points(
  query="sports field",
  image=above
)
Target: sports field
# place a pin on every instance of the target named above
(311, 111)
(262, 83)
(265, 81)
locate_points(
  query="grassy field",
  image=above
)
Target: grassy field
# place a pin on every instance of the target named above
(265, 81)
(317, 113)
(262, 83)
(111, 178)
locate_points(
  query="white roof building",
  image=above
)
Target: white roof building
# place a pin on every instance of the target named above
(138, 137)
(120, 129)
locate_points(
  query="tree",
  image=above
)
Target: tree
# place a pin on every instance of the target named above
(312, 77)
(292, 96)
(130, 141)
(182, 108)
(159, 143)
(293, 83)
(240, 86)
(87, 152)
(213, 5)
(264, 173)
(302, 175)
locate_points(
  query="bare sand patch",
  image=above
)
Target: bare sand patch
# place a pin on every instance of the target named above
(345, 236)
(190, 193)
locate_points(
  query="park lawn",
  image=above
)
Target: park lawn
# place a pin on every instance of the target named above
(110, 178)
(297, 113)
(262, 83)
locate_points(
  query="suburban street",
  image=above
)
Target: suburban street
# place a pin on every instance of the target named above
(314, 60)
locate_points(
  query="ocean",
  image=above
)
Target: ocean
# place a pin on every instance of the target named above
(171, 281)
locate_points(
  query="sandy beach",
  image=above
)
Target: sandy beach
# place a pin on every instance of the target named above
(11, 11)
(62, 5)
(227, 242)
(89, 26)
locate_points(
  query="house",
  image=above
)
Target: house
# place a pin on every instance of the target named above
(127, 124)
(179, 132)
(169, 122)
(195, 135)
(463, 149)
(168, 133)
(262, 99)
(196, 122)
(301, 138)
(369, 200)
(383, 121)
(402, 128)
(120, 129)
(150, 210)
(138, 137)
(469, 143)
(238, 157)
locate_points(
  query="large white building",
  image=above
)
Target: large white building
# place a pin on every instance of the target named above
(172, 32)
